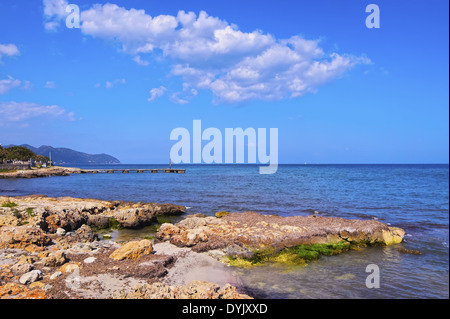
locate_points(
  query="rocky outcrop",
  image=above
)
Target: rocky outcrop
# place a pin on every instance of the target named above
(193, 290)
(39, 172)
(36, 220)
(255, 231)
(23, 236)
(133, 250)
(50, 214)
(48, 247)
(141, 214)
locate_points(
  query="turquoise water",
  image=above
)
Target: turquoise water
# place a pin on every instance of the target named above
(414, 197)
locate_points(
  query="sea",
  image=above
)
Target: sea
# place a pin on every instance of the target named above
(413, 197)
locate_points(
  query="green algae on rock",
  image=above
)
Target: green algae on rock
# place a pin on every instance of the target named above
(251, 239)
(292, 256)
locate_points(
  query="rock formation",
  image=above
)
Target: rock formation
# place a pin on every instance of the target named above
(49, 249)
(193, 290)
(255, 231)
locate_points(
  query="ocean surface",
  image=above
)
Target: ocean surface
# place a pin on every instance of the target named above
(413, 197)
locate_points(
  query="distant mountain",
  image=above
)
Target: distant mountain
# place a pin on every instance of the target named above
(62, 155)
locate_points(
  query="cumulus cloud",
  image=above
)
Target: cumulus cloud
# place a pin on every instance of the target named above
(8, 84)
(20, 111)
(208, 53)
(54, 13)
(8, 50)
(156, 93)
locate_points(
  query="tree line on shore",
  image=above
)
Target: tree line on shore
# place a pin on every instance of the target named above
(19, 153)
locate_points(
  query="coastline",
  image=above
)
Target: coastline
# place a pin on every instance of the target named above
(41, 172)
(66, 171)
(55, 243)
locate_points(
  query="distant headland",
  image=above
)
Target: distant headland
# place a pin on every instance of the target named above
(66, 156)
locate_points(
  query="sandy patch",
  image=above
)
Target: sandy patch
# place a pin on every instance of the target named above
(191, 265)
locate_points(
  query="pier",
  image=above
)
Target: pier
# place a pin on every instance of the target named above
(128, 170)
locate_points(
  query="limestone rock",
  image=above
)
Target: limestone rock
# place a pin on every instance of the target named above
(190, 237)
(192, 290)
(254, 231)
(23, 259)
(21, 268)
(68, 219)
(133, 250)
(54, 259)
(8, 220)
(85, 234)
(22, 236)
(100, 221)
(69, 267)
(166, 231)
(136, 215)
(30, 277)
(52, 213)
(393, 235)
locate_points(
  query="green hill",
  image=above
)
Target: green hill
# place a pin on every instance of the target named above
(64, 156)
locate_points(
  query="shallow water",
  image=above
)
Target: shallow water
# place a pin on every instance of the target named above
(344, 276)
(414, 197)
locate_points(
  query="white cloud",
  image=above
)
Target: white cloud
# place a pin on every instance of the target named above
(208, 53)
(111, 84)
(184, 96)
(156, 93)
(8, 50)
(176, 99)
(50, 85)
(8, 84)
(55, 8)
(20, 111)
(139, 61)
(54, 13)
(133, 29)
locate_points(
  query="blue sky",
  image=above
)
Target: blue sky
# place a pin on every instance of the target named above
(337, 91)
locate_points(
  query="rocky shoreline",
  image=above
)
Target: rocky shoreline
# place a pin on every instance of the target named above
(41, 172)
(51, 248)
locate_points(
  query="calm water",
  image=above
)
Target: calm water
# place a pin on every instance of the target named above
(414, 197)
